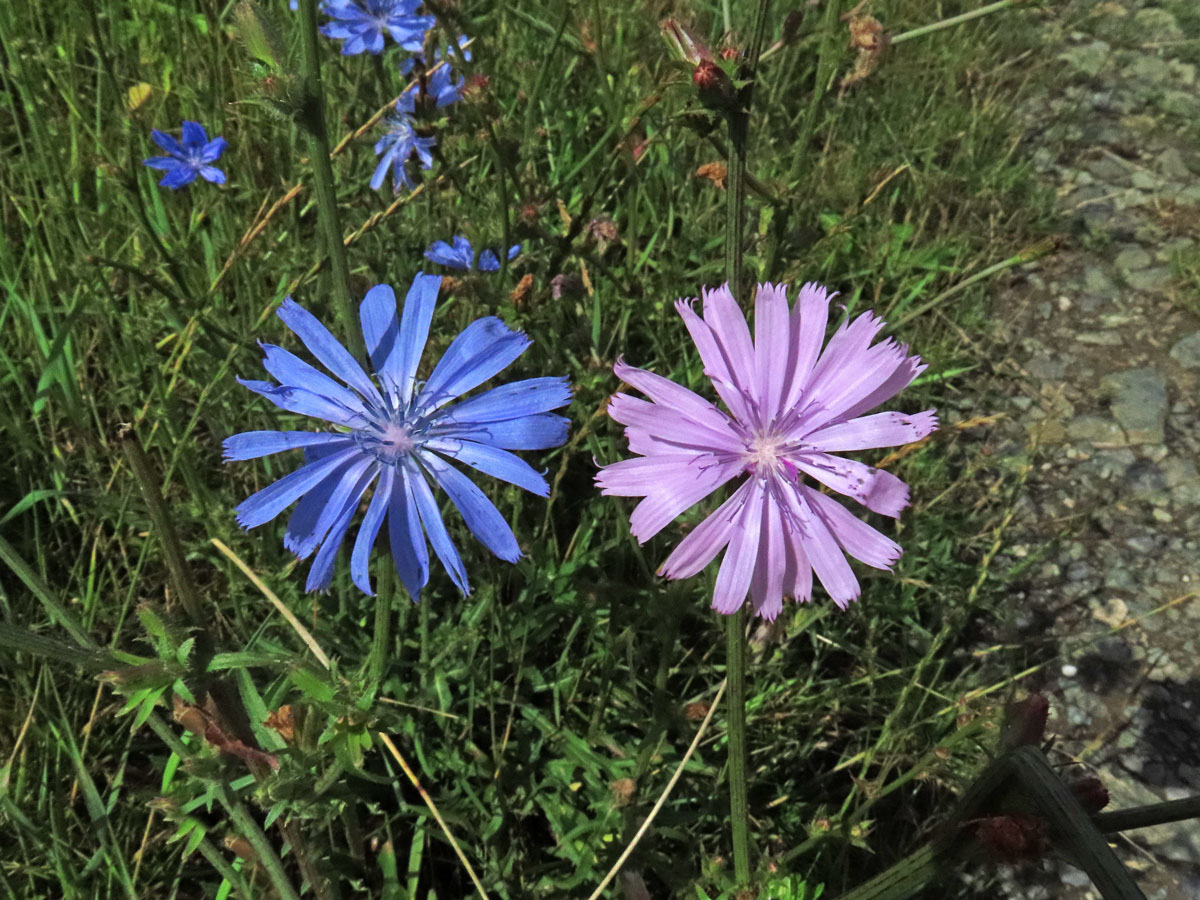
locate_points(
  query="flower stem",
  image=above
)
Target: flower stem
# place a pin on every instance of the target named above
(952, 21)
(738, 122)
(735, 671)
(312, 118)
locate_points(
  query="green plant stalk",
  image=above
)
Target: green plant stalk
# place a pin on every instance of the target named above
(735, 671)
(1147, 816)
(312, 117)
(952, 21)
(382, 636)
(738, 122)
(55, 610)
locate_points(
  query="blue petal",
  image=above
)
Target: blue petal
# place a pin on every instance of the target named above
(194, 135)
(409, 553)
(178, 177)
(167, 142)
(538, 432)
(360, 570)
(291, 371)
(482, 349)
(325, 347)
(321, 572)
(513, 251)
(275, 498)
(380, 326)
(253, 444)
(212, 174)
(493, 461)
(352, 481)
(162, 162)
(435, 528)
(304, 518)
(213, 150)
(306, 403)
(480, 514)
(488, 261)
(381, 170)
(400, 369)
(456, 257)
(511, 401)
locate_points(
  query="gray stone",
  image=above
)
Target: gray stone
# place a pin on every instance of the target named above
(1186, 351)
(1088, 59)
(1144, 478)
(1144, 181)
(1154, 25)
(1100, 338)
(1152, 279)
(1139, 403)
(1107, 169)
(1179, 103)
(1149, 70)
(1096, 430)
(1098, 284)
(1171, 164)
(1184, 72)
(1131, 259)
(1048, 368)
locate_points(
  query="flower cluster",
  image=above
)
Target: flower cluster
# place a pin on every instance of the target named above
(462, 255)
(360, 24)
(397, 433)
(789, 407)
(192, 156)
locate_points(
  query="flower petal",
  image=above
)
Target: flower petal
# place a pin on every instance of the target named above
(380, 324)
(350, 485)
(266, 504)
(766, 588)
(162, 162)
(435, 528)
(178, 177)
(677, 492)
(728, 324)
(885, 429)
(855, 536)
(493, 461)
(213, 150)
(771, 346)
(194, 135)
(212, 174)
(741, 557)
(481, 350)
(305, 403)
(827, 558)
(291, 371)
(878, 490)
(400, 369)
(325, 347)
(360, 558)
(716, 367)
(478, 512)
(514, 400)
(321, 572)
(168, 143)
(253, 444)
(676, 397)
(538, 432)
(706, 540)
(651, 426)
(409, 553)
(806, 334)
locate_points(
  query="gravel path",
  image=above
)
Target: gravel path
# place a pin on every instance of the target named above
(1105, 338)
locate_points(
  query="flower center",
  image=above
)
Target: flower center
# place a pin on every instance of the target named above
(387, 442)
(766, 456)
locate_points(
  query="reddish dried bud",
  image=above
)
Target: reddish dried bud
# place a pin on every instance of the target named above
(563, 285)
(730, 53)
(1012, 838)
(1025, 722)
(518, 294)
(714, 87)
(475, 87)
(603, 231)
(694, 712)
(529, 213)
(1091, 794)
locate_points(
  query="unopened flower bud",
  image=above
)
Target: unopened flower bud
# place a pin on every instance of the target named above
(714, 87)
(1012, 838)
(1091, 794)
(1025, 722)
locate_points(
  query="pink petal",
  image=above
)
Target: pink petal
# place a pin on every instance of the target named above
(728, 324)
(806, 334)
(886, 429)
(828, 560)
(716, 366)
(641, 476)
(737, 568)
(854, 535)
(669, 425)
(766, 590)
(771, 346)
(844, 386)
(668, 393)
(876, 489)
(676, 493)
(708, 538)
(896, 382)
(798, 571)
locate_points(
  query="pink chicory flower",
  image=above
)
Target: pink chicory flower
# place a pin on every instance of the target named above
(790, 407)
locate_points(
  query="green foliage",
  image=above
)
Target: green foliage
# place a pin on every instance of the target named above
(544, 713)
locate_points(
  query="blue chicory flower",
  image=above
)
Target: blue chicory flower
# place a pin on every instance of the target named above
(361, 25)
(398, 433)
(189, 158)
(441, 85)
(462, 255)
(399, 144)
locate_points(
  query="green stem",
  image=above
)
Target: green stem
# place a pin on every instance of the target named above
(735, 672)
(1146, 816)
(952, 21)
(381, 639)
(738, 122)
(312, 117)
